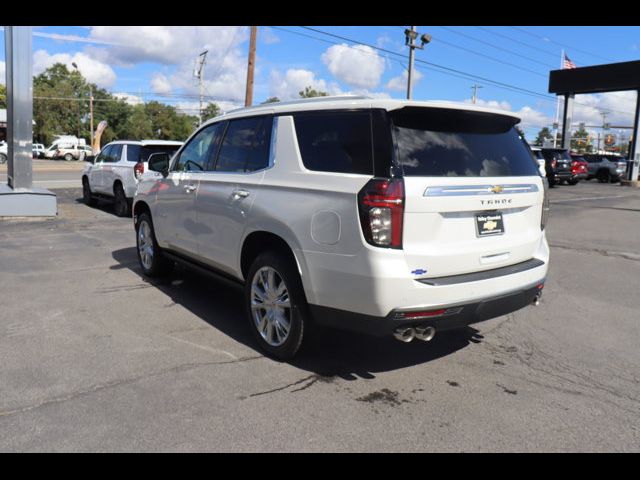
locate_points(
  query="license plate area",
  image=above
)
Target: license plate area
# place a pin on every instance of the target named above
(489, 224)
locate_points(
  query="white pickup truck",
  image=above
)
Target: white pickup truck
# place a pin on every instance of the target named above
(114, 173)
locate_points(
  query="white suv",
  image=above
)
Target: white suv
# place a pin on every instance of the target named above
(115, 171)
(376, 215)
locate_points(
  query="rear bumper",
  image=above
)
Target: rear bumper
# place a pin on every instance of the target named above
(461, 316)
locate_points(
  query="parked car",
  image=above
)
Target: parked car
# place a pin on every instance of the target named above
(606, 168)
(3, 152)
(38, 150)
(557, 165)
(579, 169)
(114, 173)
(388, 217)
(537, 153)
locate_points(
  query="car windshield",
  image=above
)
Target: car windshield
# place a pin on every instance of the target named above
(437, 142)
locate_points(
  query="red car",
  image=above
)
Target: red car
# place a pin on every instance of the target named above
(579, 169)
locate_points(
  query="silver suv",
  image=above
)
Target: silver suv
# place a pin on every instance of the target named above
(113, 174)
(383, 216)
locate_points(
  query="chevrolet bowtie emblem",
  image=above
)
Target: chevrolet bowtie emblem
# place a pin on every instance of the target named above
(490, 225)
(496, 189)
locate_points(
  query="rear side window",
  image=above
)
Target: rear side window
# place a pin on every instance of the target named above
(336, 142)
(245, 147)
(438, 142)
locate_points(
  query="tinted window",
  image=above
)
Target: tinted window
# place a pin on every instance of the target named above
(114, 153)
(245, 147)
(336, 142)
(197, 152)
(138, 153)
(458, 143)
(104, 154)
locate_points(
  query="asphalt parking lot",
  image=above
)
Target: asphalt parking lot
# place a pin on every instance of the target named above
(94, 357)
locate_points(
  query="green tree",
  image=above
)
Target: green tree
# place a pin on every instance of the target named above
(138, 125)
(580, 140)
(3, 96)
(210, 111)
(543, 135)
(271, 100)
(309, 92)
(61, 112)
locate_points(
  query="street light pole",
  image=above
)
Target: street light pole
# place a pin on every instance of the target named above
(410, 36)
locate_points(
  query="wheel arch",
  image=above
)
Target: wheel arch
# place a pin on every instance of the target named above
(262, 240)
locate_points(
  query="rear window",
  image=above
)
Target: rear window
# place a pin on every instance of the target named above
(138, 153)
(338, 142)
(556, 155)
(438, 142)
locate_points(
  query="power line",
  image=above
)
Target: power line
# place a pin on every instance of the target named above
(511, 52)
(524, 69)
(528, 45)
(547, 39)
(449, 70)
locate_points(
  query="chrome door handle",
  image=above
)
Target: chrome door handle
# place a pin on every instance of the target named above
(190, 188)
(241, 193)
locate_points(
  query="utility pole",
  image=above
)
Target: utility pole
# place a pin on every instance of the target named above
(248, 99)
(475, 88)
(199, 74)
(410, 37)
(91, 116)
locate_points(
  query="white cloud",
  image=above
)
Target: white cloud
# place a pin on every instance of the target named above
(226, 65)
(267, 35)
(359, 66)
(93, 70)
(130, 99)
(160, 83)
(618, 106)
(530, 117)
(168, 45)
(287, 86)
(399, 83)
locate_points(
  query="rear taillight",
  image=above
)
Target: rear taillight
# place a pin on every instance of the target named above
(545, 206)
(138, 169)
(554, 163)
(381, 208)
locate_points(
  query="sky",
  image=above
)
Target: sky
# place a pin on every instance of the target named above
(143, 63)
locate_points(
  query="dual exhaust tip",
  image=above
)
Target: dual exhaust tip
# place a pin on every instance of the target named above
(407, 334)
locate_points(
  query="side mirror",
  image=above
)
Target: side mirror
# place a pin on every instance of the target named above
(90, 158)
(159, 162)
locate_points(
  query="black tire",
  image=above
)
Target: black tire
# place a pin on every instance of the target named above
(572, 182)
(157, 265)
(87, 195)
(298, 314)
(68, 157)
(603, 176)
(121, 204)
(3, 158)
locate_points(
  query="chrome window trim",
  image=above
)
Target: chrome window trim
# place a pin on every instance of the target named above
(469, 190)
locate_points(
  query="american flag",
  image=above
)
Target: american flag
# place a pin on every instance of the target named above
(568, 63)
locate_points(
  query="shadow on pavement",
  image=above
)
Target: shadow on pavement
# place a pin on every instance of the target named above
(329, 353)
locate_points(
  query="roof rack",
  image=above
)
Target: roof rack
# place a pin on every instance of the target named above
(328, 98)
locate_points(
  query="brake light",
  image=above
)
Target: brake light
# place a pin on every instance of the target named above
(138, 169)
(381, 208)
(554, 163)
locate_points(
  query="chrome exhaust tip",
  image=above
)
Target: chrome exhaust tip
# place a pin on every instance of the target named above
(404, 334)
(425, 334)
(536, 300)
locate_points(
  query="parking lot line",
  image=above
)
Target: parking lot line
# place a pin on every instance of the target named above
(586, 198)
